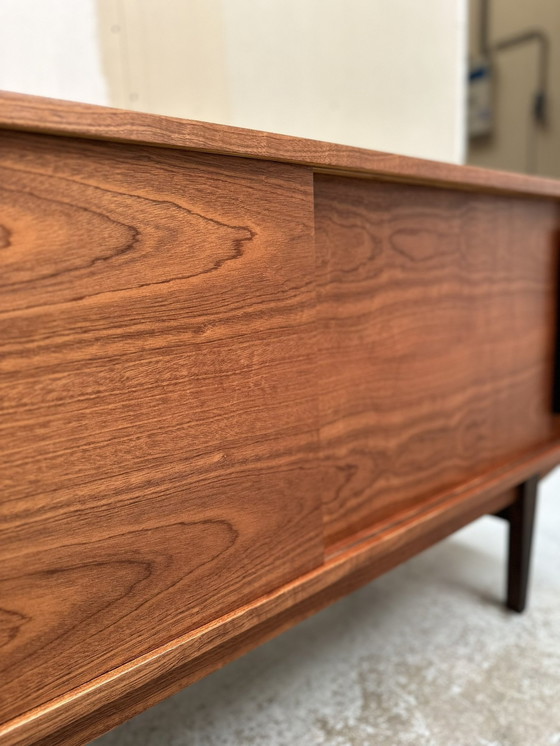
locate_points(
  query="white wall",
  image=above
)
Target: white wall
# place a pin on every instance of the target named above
(51, 48)
(382, 74)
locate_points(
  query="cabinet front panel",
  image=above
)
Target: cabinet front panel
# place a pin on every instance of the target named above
(436, 313)
(158, 400)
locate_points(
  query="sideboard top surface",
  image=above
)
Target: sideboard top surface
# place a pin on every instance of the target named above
(38, 114)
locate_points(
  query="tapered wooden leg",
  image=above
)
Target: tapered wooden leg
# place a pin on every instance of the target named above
(521, 518)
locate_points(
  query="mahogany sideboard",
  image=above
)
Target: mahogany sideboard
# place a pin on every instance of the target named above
(243, 374)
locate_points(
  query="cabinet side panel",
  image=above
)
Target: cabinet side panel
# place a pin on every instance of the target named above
(158, 422)
(437, 325)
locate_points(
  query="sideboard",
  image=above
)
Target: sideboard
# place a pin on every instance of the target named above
(243, 374)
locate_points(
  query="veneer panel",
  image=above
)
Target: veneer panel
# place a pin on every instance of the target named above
(159, 418)
(436, 339)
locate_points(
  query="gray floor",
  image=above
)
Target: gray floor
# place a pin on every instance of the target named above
(424, 656)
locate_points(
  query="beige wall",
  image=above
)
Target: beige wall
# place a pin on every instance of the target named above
(382, 74)
(515, 84)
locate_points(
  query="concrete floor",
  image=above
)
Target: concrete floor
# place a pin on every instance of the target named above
(426, 656)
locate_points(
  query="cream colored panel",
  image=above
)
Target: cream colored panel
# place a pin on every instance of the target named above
(166, 56)
(381, 74)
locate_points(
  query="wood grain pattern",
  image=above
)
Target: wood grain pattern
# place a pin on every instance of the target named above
(158, 400)
(37, 114)
(105, 702)
(232, 390)
(436, 343)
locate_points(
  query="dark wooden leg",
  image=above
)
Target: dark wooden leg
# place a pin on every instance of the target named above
(521, 518)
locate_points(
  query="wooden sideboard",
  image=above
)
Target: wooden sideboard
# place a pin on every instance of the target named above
(241, 375)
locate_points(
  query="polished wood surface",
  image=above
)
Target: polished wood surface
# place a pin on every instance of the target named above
(437, 339)
(106, 701)
(158, 400)
(37, 114)
(233, 389)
